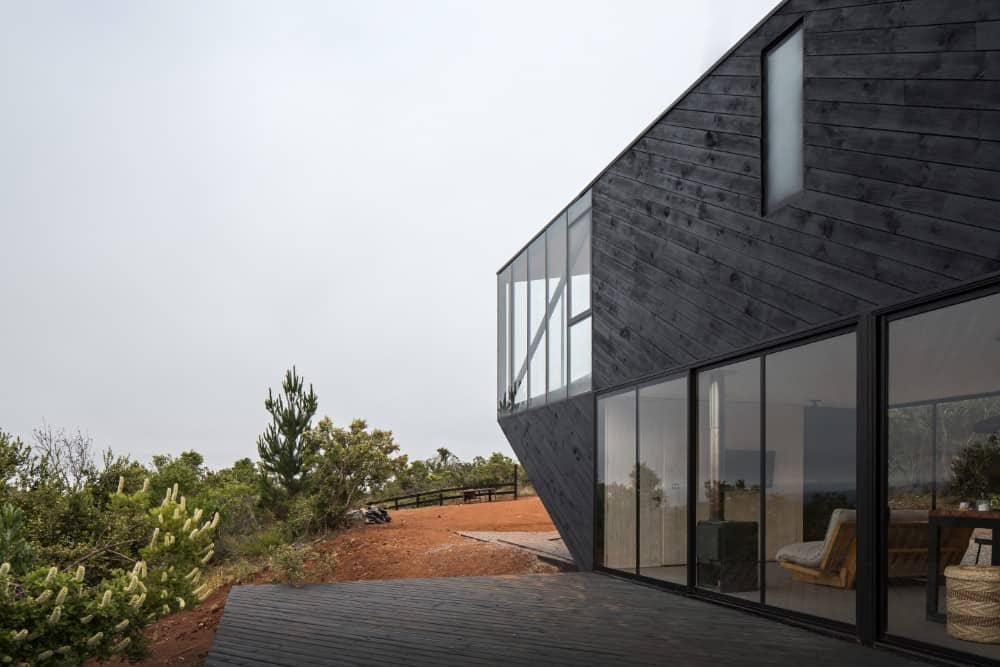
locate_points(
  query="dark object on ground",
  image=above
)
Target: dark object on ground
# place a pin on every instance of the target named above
(377, 515)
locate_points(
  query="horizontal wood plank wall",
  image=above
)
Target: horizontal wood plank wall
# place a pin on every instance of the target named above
(902, 112)
(555, 444)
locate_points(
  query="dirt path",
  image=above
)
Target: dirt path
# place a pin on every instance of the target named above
(418, 543)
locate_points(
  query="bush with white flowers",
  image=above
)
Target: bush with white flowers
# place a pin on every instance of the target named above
(52, 616)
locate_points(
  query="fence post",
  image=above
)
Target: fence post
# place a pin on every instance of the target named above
(417, 504)
(397, 502)
(515, 481)
(441, 498)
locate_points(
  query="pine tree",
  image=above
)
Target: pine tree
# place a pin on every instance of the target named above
(281, 446)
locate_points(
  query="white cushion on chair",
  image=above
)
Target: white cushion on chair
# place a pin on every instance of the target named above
(806, 554)
(810, 554)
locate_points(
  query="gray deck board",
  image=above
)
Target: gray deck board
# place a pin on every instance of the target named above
(573, 619)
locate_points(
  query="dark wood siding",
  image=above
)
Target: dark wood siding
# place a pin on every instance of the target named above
(555, 444)
(902, 159)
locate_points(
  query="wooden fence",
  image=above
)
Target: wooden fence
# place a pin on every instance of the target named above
(464, 493)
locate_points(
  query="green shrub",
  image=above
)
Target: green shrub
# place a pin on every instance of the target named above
(324, 564)
(59, 617)
(288, 563)
(972, 468)
(261, 543)
(14, 549)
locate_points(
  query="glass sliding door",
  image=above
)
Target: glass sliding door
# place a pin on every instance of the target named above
(810, 543)
(729, 463)
(616, 457)
(943, 429)
(663, 444)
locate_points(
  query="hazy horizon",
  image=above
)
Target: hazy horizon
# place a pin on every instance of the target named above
(195, 197)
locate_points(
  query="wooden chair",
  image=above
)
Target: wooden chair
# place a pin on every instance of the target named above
(839, 565)
(908, 553)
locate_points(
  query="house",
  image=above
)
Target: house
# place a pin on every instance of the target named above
(757, 359)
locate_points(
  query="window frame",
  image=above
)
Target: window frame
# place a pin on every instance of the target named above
(871, 329)
(882, 318)
(766, 210)
(583, 205)
(841, 326)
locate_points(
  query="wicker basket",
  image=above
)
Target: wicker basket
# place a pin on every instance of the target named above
(974, 603)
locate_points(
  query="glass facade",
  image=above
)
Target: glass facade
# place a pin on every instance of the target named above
(555, 239)
(519, 332)
(537, 279)
(727, 532)
(579, 358)
(504, 400)
(942, 422)
(776, 502)
(663, 486)
(544, 350)
(616, 455)
(579, 263)
(784, 156)
(810, 435)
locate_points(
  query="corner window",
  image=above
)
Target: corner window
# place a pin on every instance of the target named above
(543, 315)
(783, 167)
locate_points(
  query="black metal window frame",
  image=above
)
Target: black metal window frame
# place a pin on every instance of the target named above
(691, 372)
(871, 329)
(882, 318)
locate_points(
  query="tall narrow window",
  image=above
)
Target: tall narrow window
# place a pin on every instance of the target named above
(504, 399)
(519, 334)
(811, 539)
(616, 451)
(783, 143)
(729, 466)
(663, 436)
(556, 243)
(579, 295)
(536, 319)
(579, 259)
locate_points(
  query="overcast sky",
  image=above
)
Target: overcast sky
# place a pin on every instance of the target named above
(196, 195)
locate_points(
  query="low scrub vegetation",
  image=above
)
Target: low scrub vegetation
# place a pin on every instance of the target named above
(93, 547)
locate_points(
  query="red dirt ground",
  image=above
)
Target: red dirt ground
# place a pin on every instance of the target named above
(418, 543)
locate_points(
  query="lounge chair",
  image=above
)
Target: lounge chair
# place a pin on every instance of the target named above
(833, 561)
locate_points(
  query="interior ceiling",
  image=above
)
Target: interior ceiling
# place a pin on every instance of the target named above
(950, 352)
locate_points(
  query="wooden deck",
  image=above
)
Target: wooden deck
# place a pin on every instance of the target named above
(572, 619)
